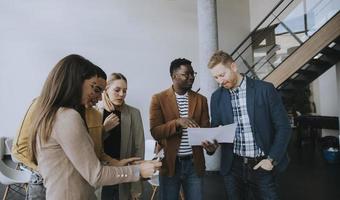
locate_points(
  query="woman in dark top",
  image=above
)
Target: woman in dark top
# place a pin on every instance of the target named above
(112, 137)
(124, 135)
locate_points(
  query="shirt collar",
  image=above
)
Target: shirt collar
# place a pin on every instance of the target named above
(184, 95)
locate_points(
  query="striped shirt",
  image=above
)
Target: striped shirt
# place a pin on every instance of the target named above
(244, 142)
(183, 109)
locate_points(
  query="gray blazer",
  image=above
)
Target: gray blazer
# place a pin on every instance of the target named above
(69, 165)
(132, 144)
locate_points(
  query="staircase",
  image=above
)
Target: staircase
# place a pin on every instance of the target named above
(296, 43)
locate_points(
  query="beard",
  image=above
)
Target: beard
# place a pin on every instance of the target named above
(188, 86)
(231, 83)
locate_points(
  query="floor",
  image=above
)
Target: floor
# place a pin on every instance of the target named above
(308, 176)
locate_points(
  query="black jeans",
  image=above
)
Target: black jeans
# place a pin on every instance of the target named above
(110, 192)
(244, 183)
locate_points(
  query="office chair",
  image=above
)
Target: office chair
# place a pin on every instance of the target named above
(15, 180)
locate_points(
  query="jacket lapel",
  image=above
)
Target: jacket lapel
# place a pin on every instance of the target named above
(250, 100)
(125, 130)
(192, 101)
(171, 99)
(226, 107)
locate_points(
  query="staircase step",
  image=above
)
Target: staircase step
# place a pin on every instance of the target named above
(318, 62)
(308, 72)
(332, 54)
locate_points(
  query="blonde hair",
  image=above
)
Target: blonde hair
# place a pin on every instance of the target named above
(219, 57)
(115, 76)
(108, 105)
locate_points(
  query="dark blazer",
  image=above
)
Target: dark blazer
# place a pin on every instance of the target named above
(163, 114)
(268, 119)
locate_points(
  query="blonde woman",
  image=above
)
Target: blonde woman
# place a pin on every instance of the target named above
(124, 136)
(60, 143)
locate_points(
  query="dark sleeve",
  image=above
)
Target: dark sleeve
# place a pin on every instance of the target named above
(214, 111)
(282, 129)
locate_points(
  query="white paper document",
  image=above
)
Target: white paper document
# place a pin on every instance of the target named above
(223, 134)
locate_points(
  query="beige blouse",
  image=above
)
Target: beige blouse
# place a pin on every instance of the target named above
(69, 165)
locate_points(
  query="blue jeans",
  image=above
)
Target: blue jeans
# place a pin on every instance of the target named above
(243, 182)
(36, 189)
(186, 177)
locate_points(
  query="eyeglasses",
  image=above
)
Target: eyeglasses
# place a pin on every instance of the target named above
(97, 89)
(186, 76)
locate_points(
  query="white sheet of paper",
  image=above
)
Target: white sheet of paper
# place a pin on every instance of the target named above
(223, 134)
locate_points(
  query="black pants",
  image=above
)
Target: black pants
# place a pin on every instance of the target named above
(110, 192)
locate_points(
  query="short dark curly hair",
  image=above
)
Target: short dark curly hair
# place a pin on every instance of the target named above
(176, 64)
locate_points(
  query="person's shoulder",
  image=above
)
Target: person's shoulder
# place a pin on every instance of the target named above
(217, 91)
(163, 92)
(132, 109)
(95, 111)
(65, 119)
(163, 95)
(201, 96)
(67, 113)
(93, 117)
(262, 84)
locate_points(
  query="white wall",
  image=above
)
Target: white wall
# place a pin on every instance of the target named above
(259, 9)
(325, 92)
(233, 23)
(137, 38)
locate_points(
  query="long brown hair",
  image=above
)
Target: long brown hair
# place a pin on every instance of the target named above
(62, 88)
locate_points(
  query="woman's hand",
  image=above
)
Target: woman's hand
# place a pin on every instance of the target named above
(136, 195)
(110, 122)
(148, 168)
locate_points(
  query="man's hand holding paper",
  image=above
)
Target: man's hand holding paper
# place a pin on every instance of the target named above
(223, 134)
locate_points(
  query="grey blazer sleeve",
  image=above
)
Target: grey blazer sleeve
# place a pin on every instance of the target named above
(71, 133)
(139, 144)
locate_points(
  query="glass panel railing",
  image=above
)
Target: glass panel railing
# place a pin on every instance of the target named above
(284, 29)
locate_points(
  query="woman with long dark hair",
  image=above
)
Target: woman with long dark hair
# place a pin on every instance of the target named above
(60, 143)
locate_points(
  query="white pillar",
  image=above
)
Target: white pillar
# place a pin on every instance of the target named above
(338, 90)
(208, 44)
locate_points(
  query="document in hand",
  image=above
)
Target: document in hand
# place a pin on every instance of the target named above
(223, 134)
